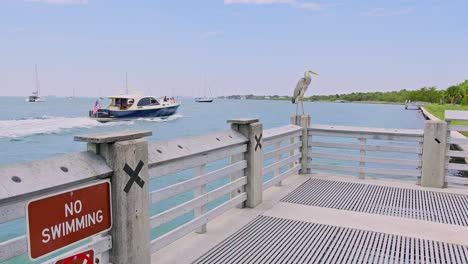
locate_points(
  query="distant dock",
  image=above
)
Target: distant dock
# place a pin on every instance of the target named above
(409, 105)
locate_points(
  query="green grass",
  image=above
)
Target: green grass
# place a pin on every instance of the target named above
(439, 110)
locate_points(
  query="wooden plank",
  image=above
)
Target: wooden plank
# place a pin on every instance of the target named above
(415, 150)
(194, 161)
(416, 133)
(412, 173)
(184, 229)
(24, 181)
(281, 163)
(283, 131)
(458, 128)
(458, 154)
(375, 136)
(200, 190)
(459, 180)
(204, 199)
(455, 166)
(190, 184)
(274, 153)
(281, 177)
(13, 211)
(13, 247)
(273, 141)
(459, 141)
(162, 152)
(453, 115)
(367, 159)
(112, 137)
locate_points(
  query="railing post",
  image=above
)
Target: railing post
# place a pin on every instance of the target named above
(303, 121)
(200, 190)
(126, 153)
(253, 130)
(362, 152)
(434, 154)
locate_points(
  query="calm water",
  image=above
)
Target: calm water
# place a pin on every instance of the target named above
(30, 131)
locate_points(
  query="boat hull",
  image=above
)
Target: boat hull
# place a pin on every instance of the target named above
(113, 115)
(204, 100)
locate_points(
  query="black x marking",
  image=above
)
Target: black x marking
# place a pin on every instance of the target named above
(133, 174)
(259, 144)
(437, 140)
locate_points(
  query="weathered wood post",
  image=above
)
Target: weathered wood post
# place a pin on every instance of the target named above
(253, 130)
(434, 154)
(303, 121)
(126, 153)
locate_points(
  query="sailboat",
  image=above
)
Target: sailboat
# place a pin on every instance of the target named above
(72, 97)
(35, 97)
(205, 99)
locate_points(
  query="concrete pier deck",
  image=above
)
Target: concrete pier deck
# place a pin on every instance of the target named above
(327, 218)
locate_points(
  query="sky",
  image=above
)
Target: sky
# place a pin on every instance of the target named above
(238, 46)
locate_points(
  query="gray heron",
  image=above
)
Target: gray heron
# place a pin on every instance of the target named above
(301, 88)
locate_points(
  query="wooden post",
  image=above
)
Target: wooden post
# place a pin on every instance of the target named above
(303, 121)
(434, 154)
(126, 153)
(253, 130)
(278, 158)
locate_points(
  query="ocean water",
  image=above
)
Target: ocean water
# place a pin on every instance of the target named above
(30, 131)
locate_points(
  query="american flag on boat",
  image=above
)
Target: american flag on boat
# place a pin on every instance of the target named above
(96, 107)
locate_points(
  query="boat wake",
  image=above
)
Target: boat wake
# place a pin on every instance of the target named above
(43, 125)
(54, 125)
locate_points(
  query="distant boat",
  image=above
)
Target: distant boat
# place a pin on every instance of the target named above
(205, 99)
(35, 97)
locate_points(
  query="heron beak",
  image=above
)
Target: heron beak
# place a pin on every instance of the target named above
(313, 72)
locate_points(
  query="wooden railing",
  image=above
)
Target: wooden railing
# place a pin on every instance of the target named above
(196, 153)
(282, 145)
(460, 143)
(197, 179)
(367, 150)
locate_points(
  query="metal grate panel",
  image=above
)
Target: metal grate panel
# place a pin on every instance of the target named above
(277, 240)
(417, 204)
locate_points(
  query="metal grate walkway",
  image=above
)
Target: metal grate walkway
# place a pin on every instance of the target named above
(277, 240)
(417, 204)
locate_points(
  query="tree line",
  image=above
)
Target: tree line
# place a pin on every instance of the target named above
(455, 94)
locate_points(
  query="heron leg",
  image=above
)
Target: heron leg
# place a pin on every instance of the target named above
(297, 107)
(302, 104)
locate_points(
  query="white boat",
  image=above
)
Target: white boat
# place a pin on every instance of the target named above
(72, 97)
(132, 106)
(35, 97)
(205, 99)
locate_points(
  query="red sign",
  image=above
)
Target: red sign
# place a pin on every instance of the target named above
(63, 219)
(86, 257)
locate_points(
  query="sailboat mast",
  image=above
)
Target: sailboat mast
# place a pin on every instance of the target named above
(37, 80)
(126, 82)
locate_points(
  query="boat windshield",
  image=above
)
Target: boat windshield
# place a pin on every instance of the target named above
(122, 103)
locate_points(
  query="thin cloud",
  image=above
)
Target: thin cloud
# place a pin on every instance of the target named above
(384, 12)
(16, 29)
(291, 3)
(60, 2)
(211, 34)
(259, 2)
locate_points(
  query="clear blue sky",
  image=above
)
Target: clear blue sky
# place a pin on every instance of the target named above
(242, 46)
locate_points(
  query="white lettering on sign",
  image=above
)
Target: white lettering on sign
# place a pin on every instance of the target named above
(74, 225)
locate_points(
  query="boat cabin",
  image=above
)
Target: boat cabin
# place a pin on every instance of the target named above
(125, 102)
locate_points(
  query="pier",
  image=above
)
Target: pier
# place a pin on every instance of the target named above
(254, 195)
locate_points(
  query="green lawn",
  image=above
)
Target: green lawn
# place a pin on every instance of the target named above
(439, 110)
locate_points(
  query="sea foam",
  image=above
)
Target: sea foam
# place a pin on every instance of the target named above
(50, 125)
